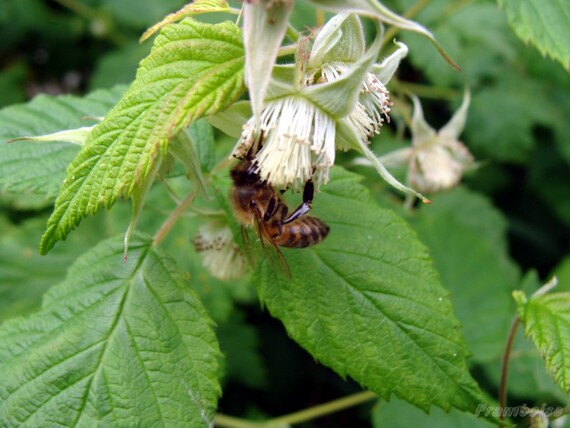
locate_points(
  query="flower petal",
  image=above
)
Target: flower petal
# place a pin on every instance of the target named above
(386, 69)
(338, 97)
(264, 27)
(341, 39)
(375, 9)
(422, 132)
(455, 126)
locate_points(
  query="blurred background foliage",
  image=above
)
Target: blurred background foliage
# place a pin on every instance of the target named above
(506, 227)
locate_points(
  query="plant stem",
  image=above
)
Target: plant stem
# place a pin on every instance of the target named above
(297, 417)
(320, 18)
(505, 367)
(425, 91)
(173, 218)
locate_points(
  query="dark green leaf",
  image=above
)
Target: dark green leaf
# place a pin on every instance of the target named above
(467, 240)
(546, 320)
(114, 344)
(40, 167)
(544, 24)
(367, 303)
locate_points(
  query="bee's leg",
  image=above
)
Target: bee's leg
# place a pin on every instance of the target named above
(305, 207)
(272, 207)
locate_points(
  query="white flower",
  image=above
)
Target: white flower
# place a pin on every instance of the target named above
(335, 98)
(373, 106)
(221, 256)
(297, 143)
(438, 159)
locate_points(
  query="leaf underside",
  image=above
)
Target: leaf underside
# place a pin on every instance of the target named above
(193, 70)
(115, 344)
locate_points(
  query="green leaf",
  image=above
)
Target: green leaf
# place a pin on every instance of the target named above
(193, 70)
(183, 148)
(231, 120)
(25, 165)
(527, 375)
(367, 303)
(544, 24)
(115, 344)
(466, 236)
(24, 275)
(546, 320)
(202, 135)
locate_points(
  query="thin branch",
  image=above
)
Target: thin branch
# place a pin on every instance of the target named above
(173, 218)
(505, 367)
(297, 417)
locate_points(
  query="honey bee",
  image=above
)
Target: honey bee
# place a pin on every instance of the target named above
(256, 203)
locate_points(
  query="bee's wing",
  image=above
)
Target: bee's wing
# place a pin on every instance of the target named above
(270, 249)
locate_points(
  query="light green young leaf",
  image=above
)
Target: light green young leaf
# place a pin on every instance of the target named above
(231, 120)
(184, 150)
(546, 320)
(25, 165)
(367, 303)
(114, 344)
(202, 136)
(138, 199)
(193, 70)
(73, 136)
(544, 24)
(193, 8)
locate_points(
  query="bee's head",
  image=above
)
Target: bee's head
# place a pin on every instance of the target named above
(244, 173)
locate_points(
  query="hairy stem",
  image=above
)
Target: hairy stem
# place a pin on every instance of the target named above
(505, 367)
(173, 218)
(297, 417)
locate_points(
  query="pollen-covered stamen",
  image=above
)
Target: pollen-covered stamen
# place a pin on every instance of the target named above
(373, 107)
(298, 139)
(220, 254)
(376, 101)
